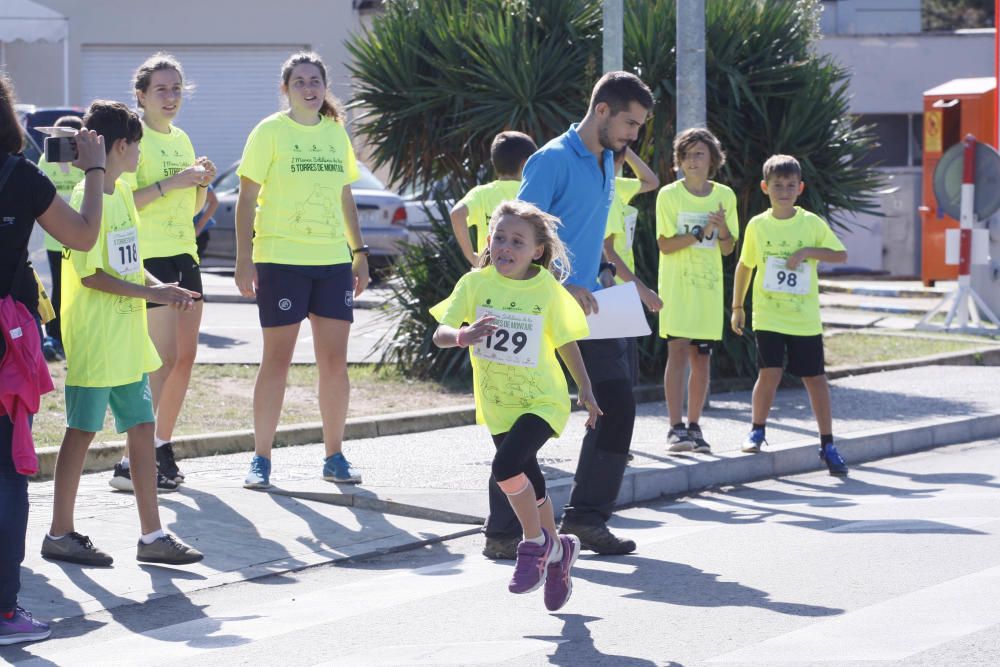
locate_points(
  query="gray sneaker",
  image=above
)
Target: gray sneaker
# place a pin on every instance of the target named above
(75, 548)
(700, 444)
(167, 550)
(679, 440)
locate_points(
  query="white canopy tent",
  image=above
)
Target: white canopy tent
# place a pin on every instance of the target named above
(31, 22)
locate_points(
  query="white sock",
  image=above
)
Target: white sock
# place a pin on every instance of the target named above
(159, 442)
(149, 538)
(556, 554)
(540, 540)
(124, 462)
(53, 537)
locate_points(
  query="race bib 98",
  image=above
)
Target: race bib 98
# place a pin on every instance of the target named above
(692, 223)
(779, 278)
(123, 251)
(516, 341)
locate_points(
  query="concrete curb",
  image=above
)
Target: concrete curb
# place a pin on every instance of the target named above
(836, 288)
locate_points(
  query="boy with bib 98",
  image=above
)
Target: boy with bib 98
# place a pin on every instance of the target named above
(784, 244)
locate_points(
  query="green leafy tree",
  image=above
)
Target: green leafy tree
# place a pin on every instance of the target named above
(437, 80)
(957, 14)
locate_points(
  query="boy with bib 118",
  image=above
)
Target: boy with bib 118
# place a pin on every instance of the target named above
(784, 244)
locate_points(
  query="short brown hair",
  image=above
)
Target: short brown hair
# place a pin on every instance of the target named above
(688, 138)
(509, 151)
(618, 90)
(782, 165)
(113, 121)
(331, 105)
(156, 62)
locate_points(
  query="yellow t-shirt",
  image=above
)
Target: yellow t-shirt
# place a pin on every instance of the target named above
(786, 301)
(64, 181)
(622, 219)
(481, 201)
(515, 371)
(105, 335)
(690, 280)
(165, 227)
(302, 170)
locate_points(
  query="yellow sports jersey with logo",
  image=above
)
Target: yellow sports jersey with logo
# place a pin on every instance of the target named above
(302, 170)
(786, 301)
(515, 371)
(65, 177)
(105, 335)
(622, 219)
(481, 201)
(690, 280)
(165, 227)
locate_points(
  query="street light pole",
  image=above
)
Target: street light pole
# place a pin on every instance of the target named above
(690, 64)
(614, 39)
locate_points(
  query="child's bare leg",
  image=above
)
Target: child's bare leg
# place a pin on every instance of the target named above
(819, 396)
(521, 495)
(142, 459)
(547, 516)
(697, 383)
(673, 377)
(69, 467)
(763, 393)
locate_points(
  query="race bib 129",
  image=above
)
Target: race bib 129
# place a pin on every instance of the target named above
(123, 251)
(516, 341)
(779, 278)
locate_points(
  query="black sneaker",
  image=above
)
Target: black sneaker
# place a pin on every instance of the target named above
(679, 440)
(167, 550)
(122, 481)
(700, 445)
(597, 537)
(75, 548)
(501, 548)
(166, 464)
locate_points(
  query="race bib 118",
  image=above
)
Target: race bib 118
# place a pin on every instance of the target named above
(779, 278)
(516, 341)
(123, 251)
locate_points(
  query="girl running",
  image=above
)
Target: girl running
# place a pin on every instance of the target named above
(297, 215)
(169, 189)
(520, 317)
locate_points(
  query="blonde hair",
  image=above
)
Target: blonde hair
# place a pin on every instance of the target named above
(545, 226)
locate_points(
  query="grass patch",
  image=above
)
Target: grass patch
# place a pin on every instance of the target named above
(220, 398)
(849, 349)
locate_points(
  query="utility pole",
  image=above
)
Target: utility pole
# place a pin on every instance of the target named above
(614, 35)
(690, 64)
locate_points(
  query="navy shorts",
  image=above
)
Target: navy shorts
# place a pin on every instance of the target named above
(805, 353)
(704, 346)
(180, 269)
(288, 293)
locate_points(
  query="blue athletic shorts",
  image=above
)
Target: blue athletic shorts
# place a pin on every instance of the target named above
(288, 293)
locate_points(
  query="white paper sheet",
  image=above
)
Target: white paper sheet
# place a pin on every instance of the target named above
(619, 314)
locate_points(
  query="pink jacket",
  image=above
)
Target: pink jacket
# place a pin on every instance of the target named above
(24, 377)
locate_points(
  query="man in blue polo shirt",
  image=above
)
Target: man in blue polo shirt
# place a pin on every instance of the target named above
(572, 177)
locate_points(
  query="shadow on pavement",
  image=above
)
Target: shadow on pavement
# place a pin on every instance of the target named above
(575, 646)
(219, 342)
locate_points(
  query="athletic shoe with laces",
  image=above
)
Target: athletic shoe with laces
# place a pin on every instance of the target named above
(121, 480)
(679, 440)
(259, 476)
(22, 627)
(755, 440)
(501, 548)
(167, 550)
(532, 565)
(166, 463)
(558, 582)
(596, 537)
(700, 444)
(75, 548)
(51, 349)
(337, 468)
(834, 461)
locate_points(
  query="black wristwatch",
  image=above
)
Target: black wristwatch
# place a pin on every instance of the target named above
(363, 250)
(610, 266)
(699, 235)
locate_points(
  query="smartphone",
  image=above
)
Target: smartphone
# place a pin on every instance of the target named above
(60, 149)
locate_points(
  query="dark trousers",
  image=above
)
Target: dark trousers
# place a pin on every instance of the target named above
(604, 453)
(13, 519)
(53, 329)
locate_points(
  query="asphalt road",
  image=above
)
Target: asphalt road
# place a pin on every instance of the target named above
(899, 564)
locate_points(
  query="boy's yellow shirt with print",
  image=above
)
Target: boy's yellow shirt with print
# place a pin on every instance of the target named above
(65, 177)
(105, 335)
(622, 219)
(690, 280)
(165, 224)
(515, 371)
(481, 201)
(302, 170)
(786, 301)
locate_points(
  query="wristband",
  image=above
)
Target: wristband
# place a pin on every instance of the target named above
(160, 188)
(727, 238)
(202, 186)
(737, 308)
(608, 266)
(90, 169)
(364, 250)
(458, 338)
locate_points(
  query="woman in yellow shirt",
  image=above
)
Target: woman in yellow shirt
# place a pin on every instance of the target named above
(299, 251)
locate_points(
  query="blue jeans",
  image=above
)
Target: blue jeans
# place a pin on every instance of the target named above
(13, 519)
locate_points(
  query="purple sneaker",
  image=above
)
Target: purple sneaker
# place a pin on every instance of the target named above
(21, 627)
(529, 570)
(559, 583)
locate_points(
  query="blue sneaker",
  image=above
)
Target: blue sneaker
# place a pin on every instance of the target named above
(21, 627)
(260, 473)
(49, 349)
(755, 440)
(834, 461)
(337, 468)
